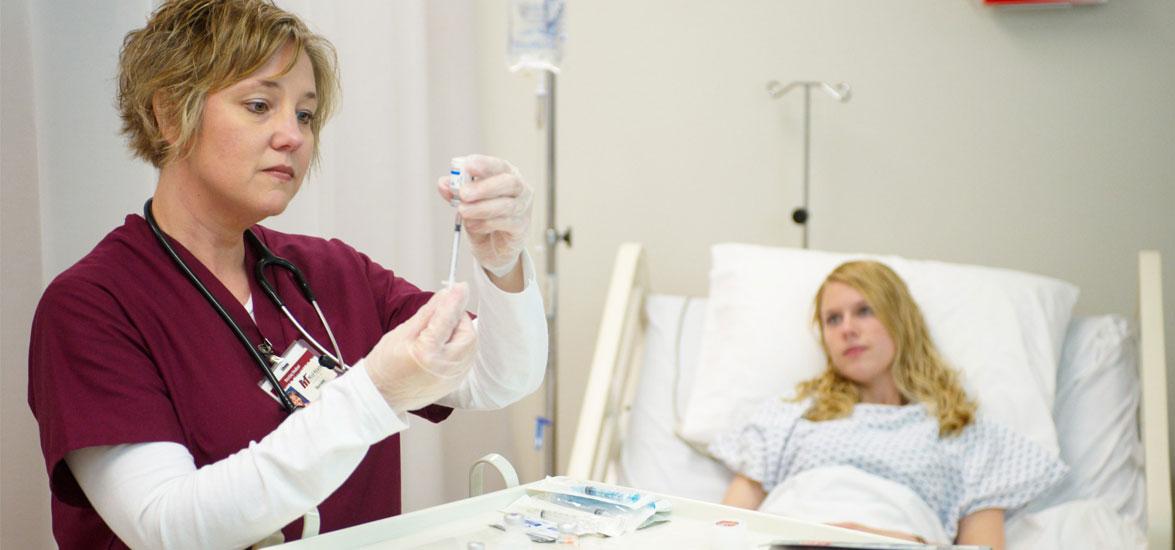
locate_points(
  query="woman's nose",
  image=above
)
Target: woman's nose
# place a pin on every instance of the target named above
(287, 136)
(848, 327)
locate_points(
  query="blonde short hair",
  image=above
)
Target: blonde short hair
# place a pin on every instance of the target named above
(919, 372)
(192, 48)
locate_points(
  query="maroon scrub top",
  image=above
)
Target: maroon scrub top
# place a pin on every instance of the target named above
(125, 350)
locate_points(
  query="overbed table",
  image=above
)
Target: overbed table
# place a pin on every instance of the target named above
(452, 526)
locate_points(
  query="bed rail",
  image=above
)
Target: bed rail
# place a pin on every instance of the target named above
(1153, 374)
(619, 344)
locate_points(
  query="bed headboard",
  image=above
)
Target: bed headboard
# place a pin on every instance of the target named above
(616, 366)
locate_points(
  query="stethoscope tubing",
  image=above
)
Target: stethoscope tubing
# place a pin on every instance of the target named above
(268, 259)
(329, 334)
(228, 320)
(336, 357)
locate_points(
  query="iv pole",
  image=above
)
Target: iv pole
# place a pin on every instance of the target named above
(839, 91)
(551, 239)
(537, 41)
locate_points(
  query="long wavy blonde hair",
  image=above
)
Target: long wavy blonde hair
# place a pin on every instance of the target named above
(920, 373)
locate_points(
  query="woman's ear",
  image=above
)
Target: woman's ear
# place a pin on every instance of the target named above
(163, 119)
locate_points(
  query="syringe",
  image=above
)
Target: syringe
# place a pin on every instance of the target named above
(456, 178)
(456, 246)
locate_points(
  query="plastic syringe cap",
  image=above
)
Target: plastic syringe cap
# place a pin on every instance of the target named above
(514, 519)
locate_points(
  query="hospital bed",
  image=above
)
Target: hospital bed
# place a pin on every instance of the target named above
(1108, 408)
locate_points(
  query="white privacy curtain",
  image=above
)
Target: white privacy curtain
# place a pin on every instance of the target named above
(407, 108)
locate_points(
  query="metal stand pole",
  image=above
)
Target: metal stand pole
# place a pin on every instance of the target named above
(807, 160)
(552, 237)
(552, 241)
(841, 92)
(535, 46)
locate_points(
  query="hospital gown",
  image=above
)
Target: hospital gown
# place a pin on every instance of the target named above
(985, 466)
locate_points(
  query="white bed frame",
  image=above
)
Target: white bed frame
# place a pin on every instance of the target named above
(616, 366)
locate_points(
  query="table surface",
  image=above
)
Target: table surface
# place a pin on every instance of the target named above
(453, 525)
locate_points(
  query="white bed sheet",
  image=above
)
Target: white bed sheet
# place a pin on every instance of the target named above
(655, 459)
(834, 494)
(1087, 524)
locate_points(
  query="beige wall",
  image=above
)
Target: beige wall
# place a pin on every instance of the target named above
(1040, 140)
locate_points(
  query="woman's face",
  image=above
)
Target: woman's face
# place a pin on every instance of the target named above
(255, 142)
(856, 341)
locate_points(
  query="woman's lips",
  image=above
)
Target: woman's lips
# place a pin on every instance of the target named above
(280, 172)
(854, 351)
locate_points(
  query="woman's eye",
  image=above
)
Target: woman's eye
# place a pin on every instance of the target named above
(865, 310)
(832, 319)
(257, 106)
(305, 117)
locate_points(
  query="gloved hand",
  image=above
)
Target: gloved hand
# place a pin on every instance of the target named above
(427, 356)
(495, 208)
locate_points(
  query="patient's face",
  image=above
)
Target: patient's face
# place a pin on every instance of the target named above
(857, 342)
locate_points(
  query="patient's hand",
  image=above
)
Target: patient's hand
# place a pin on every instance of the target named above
(876, 531)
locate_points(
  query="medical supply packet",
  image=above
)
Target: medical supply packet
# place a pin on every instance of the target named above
(602, 492)
(592, 508)
(585, 522)
(537, 529)
(549, 514)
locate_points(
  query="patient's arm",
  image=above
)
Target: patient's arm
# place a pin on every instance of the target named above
(744, 492)
(983, 528)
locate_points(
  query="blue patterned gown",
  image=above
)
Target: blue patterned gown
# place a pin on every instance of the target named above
(985, 466)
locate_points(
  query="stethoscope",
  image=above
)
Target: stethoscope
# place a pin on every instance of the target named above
(266, 259)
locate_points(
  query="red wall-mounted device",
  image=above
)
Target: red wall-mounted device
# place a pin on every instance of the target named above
(1042, 3)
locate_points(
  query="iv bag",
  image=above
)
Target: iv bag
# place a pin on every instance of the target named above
(535, 39)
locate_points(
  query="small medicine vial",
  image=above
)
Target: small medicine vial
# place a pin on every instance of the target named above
(567, 536)
(515, 537)
(457, 178)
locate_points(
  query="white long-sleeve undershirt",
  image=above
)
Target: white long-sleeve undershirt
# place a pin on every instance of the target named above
(153, 496)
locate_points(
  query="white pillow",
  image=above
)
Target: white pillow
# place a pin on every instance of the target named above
(652, 457)
(1001, 329)
(1096, 415)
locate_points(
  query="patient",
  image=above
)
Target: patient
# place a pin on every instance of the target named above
(885, 440)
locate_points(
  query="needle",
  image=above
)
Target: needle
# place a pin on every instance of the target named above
(456, 247)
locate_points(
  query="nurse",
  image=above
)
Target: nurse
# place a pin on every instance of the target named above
(155, 426)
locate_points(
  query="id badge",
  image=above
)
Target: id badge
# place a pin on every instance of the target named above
(300, 375)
